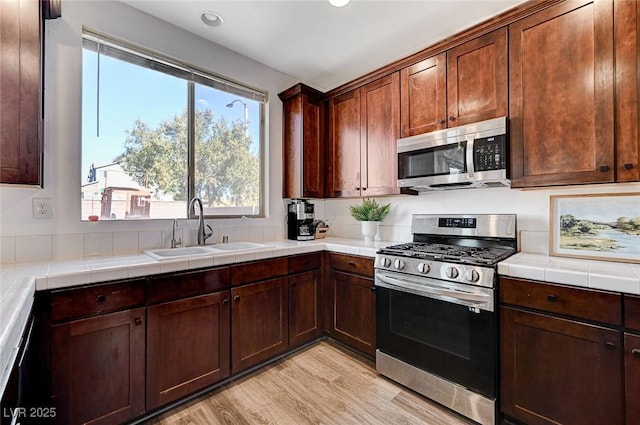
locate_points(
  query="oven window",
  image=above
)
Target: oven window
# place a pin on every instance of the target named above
(443, 328)
(441, 160)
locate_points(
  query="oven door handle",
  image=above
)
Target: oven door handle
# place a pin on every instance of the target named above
(471, 299)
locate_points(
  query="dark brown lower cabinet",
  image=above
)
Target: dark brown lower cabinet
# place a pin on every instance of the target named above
(632, 377)
(353, 311)
(304, 317)
(187, 346)
(98, 368)
(259, 322)
(559, 371)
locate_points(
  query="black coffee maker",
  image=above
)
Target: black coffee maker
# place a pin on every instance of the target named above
(300, 217)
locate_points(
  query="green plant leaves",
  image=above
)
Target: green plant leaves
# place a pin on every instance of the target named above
(369, 210)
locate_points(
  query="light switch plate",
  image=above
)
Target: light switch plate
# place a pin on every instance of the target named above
(42, 208)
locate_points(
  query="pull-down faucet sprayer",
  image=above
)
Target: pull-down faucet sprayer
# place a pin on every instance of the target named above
(203, 235)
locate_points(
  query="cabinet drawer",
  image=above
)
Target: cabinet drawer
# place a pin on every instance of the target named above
(581, 303)
(189, 284)
(96, 299)
(304, 262)
(352, 264)
(632, 312)
(259, 270)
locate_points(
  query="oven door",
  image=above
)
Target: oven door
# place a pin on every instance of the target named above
(439, 331)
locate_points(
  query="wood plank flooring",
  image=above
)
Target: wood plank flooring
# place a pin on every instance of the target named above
(324, 384)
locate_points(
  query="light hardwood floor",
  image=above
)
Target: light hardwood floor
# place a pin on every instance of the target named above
(323, 384)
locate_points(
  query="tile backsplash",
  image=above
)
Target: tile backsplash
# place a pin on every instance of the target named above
(69, 246)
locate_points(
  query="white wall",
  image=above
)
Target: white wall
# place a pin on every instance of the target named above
(62, 133)
(531, 206)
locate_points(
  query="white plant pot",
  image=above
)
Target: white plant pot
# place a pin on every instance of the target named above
(369, 230)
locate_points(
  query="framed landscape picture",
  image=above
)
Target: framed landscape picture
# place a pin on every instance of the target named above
(599, 227)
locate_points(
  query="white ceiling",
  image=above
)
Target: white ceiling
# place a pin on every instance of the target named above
(319, 44)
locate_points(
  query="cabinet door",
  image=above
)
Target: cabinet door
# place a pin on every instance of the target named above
(380, 120)
(353, 318)
(259, 322)
(558, 371)
(187, 346)
(344, 145)
(304, 296)
(20, 88)
(561, 95)
(627, 48)
(477, 79)
(303, 143)
(97, 367)
(632, 377)
(423, 96)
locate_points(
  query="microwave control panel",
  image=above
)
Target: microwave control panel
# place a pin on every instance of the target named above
(490, 153)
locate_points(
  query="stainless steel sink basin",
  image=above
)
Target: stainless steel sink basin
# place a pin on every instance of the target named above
(237, 246)
(187, 251)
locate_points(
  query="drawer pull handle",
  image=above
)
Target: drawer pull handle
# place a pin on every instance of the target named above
(604, 168)
(636, 352)
(628, 166)
(610, 345)
(236, 298)
(352, 264)
(101, 298)
(552, 298)
(137, 321)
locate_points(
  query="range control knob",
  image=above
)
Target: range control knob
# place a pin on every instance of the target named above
(399, 265)
(424, 268)
(385, 262)
(473, 276)
(452, 272)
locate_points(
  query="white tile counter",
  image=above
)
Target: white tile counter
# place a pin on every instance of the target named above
(16, 300)
(593, 274)
(19, 282)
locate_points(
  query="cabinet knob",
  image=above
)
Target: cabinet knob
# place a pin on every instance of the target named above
(551, 298)
(441, 120)
(364, 188)
(452, 118)
(236, 298)
(357, 188)
(636, 352)
(351, 263)
(101, 298)
(604, 168)
(225, 301)
(137, 321)
(628, 166)
(610, 345)
(373, 289)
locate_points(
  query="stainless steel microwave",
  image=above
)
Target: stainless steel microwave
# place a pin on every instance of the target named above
(473, 155)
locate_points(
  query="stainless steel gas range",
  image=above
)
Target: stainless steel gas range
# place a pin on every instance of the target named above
(436, 325)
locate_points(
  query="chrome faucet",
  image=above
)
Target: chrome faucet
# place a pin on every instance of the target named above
(175, 242)
(203, 235)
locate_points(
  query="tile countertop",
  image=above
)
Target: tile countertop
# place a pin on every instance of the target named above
(592, 274)
(19, 282)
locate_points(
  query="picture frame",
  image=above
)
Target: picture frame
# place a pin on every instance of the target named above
(596, 226)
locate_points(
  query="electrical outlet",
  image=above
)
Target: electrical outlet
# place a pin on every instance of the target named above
(42, 208)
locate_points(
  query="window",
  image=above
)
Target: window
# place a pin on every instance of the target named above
(157, 132)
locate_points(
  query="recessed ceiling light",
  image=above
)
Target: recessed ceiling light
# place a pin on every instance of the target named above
(210, 18)
(339, 3)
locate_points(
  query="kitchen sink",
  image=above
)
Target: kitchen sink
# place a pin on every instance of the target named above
(187, 251)
(237, 246)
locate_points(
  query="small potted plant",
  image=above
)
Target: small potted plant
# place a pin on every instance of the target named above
(370, 213)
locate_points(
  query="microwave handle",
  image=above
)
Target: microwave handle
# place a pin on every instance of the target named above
(470, 165)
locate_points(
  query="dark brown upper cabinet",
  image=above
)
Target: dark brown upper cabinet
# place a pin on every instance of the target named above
(20, 84)
(561, 86)
(626, 23)
(364, 125)
(466, 84)
(303, 142)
